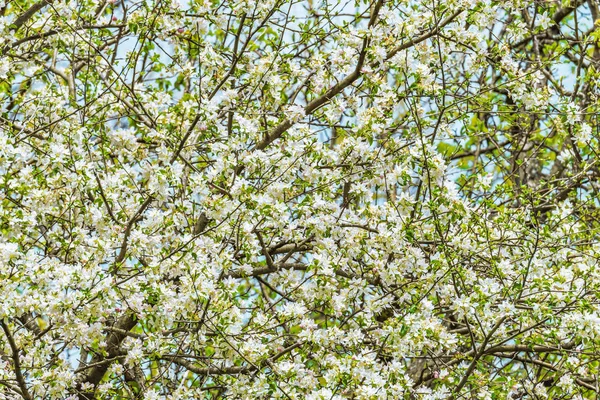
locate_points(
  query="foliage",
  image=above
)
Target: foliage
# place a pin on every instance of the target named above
(291, 199)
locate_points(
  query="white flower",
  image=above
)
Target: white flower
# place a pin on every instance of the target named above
(485, 181)
(572, 113)
(151, 394)
(4, 67)
(295, 113)
(565, 156)
(544, 21)
(583, 134)
(506, 308)
(294, 310)
(8, 251)
(566, 382)
(464, 306)
(134, 354)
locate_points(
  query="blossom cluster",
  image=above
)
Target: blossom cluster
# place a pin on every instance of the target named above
(299, 200)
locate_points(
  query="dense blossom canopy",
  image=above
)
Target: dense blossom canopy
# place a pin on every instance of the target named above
(320, 199)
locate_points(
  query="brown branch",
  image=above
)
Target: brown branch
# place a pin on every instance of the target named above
(102, 363)
(424, 36)
(266, 270)
(132, 221)
(478, 355)
(525, 348)
(26, 16)
(205, 371)
(366, 228)
(330, 94)
(30, 323)
(285, 249)
(108, 207)
(558, 17)
(16, 361)
(200, 224)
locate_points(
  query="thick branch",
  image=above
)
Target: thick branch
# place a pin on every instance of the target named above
(227, 370)
(16, 361)
(101, 365)
(26, 16)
